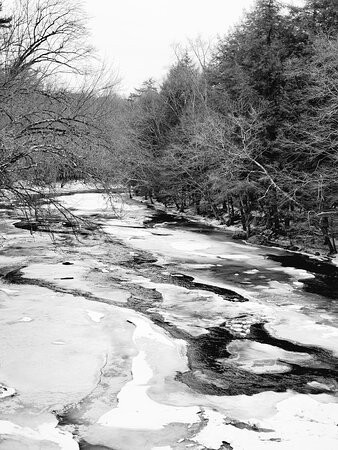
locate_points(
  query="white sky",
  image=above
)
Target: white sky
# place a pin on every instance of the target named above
(136, 37)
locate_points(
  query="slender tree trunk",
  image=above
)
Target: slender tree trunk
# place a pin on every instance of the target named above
(328, 240)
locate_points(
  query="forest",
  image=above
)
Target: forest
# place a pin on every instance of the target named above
(244, 131)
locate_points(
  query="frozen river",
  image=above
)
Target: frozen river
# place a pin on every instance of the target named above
(187, 340)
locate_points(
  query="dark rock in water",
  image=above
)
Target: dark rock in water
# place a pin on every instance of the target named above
(226, 446)
(245, 426)
(54, 225)
(27, 225)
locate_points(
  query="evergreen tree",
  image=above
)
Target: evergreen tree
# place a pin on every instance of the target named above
(321, 16)
(178, 91)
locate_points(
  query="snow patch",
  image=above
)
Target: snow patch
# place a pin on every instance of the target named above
(59, 342)
(95, 316)
(251, 272)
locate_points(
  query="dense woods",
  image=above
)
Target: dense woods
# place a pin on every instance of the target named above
(247, 134)
(251, 134)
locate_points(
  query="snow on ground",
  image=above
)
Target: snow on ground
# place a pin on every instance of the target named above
(95, 316)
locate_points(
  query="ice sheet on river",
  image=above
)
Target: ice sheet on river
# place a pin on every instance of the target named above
(55, 358)
(119, 368)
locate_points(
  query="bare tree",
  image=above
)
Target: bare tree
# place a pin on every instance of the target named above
(49, 133)
(48, 36)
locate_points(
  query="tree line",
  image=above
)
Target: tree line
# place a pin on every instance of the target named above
(244, 131)
(249, 133)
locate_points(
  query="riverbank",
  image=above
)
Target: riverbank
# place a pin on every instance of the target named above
(303, 243)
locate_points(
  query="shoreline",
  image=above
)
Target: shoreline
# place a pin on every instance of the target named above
(234, 231)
